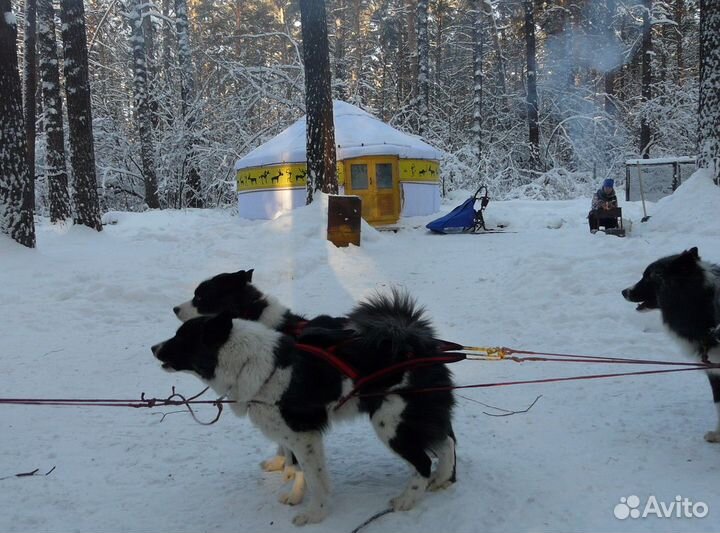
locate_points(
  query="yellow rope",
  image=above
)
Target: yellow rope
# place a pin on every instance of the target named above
(487, 352)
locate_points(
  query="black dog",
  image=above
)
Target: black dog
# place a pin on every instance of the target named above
(686, 290)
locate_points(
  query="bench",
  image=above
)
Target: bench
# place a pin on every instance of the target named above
(614, 213)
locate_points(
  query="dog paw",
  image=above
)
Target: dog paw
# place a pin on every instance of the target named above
(309, 517)
(712, 436)
(291, 498)
(438, 485)
(274, 464)
(289, 473)
(404, 502)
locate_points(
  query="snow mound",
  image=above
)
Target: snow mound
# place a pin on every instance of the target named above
(692, 208)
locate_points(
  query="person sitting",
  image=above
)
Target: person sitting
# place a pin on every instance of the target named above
(603, 200)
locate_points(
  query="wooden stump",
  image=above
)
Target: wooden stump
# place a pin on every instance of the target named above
(344, 220)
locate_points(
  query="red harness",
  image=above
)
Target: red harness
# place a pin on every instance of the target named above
(328, 355)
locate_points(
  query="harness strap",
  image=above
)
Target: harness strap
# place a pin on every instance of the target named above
(329, 357)
(449, 357)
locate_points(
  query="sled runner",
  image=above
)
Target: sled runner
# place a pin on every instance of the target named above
(464, 218)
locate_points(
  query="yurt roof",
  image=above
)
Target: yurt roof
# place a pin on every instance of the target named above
(357, 134)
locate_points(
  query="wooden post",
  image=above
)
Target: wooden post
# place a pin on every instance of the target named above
(344, 220)
(627, 183)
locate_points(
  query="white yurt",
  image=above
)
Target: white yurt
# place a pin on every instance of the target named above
(394, 173)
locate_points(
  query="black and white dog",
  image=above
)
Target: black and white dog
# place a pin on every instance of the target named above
(234, 293)
(686, 290)
(291, 395)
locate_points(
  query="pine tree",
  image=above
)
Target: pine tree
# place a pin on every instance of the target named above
(709, 106)
(143, 116)
(55, 163)
(318, 100)
(193, 194)
(16, 210)
(611, 70)
(647, 52)
(532, 95)
(77, 95)
(422, 104)
(412, 66)
(30, 81)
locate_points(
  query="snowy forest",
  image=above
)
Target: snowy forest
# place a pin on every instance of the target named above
(132, 104)
(384, 235)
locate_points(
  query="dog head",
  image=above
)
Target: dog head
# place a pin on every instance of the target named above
(667, 270)
(195, 345)
(230, 293)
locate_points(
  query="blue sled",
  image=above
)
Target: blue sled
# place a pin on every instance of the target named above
(464, 218)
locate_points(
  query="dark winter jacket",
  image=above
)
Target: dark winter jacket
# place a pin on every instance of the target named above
(601, 197)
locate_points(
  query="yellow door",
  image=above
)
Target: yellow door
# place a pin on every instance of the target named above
(375, 181)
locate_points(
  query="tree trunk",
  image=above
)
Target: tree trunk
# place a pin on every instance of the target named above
(149, 33)
(532, 96)
(193, 194)
(709, 105)
(412, 67)
(679, 28)
(77, 95)
(423, 99)
(645, 134)
(610, 107)
(16, 212)
(499, 61)
(478, 32)
(30, 89)
(320, 131)
(56, 167)
(340, 25)
(142, 107)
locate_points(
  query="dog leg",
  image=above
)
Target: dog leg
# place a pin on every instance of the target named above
(292, 471)
(291, 467)
(395, 433)
(296, 494)
(276, 462)
(420, 461)
(714, 436)
(308, 449)
(444, 475)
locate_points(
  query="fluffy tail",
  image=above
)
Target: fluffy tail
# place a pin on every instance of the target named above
(393, 326)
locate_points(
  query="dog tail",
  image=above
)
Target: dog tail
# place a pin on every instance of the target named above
(393, 325)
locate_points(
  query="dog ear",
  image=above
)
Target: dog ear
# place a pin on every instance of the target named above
(217, 329)
(692, 252)
(245, 275)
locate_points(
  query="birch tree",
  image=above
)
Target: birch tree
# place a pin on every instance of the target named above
(478, 30)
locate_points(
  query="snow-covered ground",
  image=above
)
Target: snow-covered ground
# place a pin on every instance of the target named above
(79, 313)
